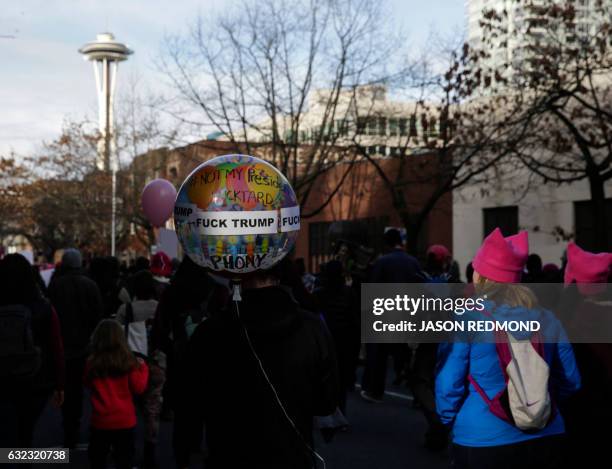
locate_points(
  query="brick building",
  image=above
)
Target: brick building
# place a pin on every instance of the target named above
(359, 210)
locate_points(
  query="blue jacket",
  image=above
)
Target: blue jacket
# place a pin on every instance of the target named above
(459, 404)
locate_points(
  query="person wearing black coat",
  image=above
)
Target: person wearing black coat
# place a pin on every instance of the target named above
(225, 386)
(396, 266)
(339, 305)
(23, 398)
(191, 295)
(79, 306)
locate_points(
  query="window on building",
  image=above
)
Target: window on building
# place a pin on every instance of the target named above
(432, 128)
(343, 128)
(173, 172)
(371, 150)
(382, 150)
(584, 224)
(444, 128)
(506, 218)
(382, 126)
(393, 127)
(290, 137)
(372, 126)
(413, 127)
(361, 125)
(403, 127)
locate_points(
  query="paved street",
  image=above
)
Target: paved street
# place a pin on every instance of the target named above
(385, 436)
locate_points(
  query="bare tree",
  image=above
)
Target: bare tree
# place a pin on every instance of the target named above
(560, 73)
(277, 77)
(454, 137)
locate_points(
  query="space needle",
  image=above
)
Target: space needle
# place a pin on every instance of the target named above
(105, 54)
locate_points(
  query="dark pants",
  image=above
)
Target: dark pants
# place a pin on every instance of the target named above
(539, 453)
(587, 417)
(19, 412)
(187, 434)
(347, 355)
(121, 442)
(72, 409)
(422, 383)
(375, 373)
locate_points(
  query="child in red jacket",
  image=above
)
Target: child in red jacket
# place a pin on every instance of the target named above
(114, 375)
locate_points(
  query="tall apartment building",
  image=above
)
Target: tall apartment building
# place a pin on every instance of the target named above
(511, 47)
(551, 213)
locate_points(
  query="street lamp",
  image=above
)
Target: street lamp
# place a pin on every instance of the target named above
(105, 54)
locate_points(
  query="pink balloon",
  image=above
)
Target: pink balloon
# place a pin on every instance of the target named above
(158, 199)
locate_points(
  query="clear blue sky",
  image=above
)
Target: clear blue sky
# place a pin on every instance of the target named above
(45, 81)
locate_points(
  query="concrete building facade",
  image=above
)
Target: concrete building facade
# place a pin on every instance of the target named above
(553, 214)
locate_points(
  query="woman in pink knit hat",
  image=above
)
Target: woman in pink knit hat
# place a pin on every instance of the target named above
(473, 380)
(588, 306)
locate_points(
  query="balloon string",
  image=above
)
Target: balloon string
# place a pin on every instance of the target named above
(236, 294)
(276, 396)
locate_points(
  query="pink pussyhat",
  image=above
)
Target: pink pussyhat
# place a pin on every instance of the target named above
(502, 259)
(439, 252)
(584, 267)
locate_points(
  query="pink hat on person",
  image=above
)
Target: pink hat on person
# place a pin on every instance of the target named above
(161, 265)
(586, 267)
(502, 259)
(439, 252)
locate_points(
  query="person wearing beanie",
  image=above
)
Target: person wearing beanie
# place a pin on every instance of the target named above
(71, 259)
(438, 263)
(590, 271)
(422, 376)
(481, 439)
(79, 306)
(587, 304)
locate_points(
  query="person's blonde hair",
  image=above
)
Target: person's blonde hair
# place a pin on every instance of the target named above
(510, 294)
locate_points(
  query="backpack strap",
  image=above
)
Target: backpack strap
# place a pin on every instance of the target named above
(479, 390)
(501, 346)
